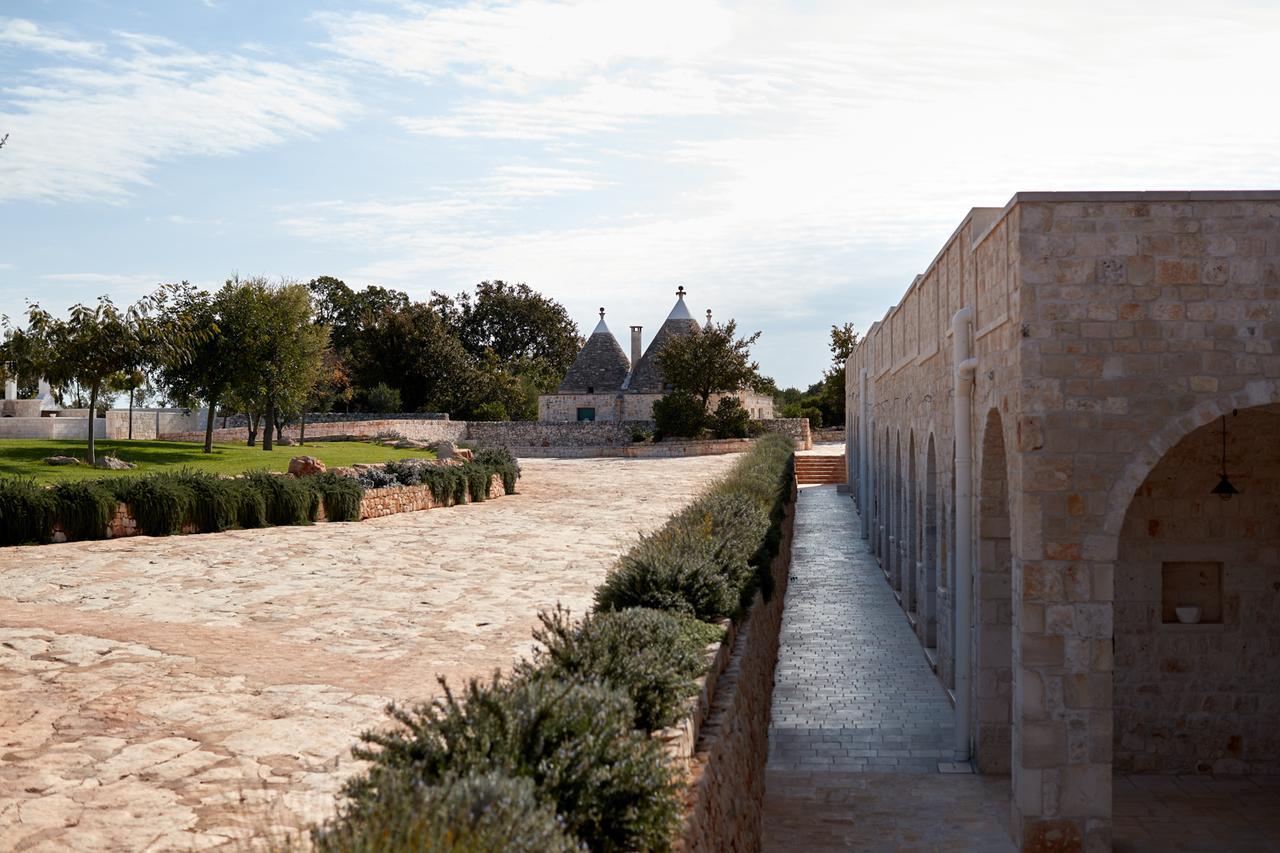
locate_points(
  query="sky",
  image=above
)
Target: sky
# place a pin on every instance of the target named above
(791, 164)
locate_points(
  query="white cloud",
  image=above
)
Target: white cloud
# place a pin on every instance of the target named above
(516, 45)
(28, 35)
(94, 130)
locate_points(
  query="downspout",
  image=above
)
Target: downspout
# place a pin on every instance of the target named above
(965, 366)
(864, 466)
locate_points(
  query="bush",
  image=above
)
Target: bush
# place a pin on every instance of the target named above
(383, 398)
(490, 411)
(675, 569)
(288, 501)
(477, 481)
(639, 436)
(26, 512)
(730, 419)
(215, 502)
(84, 509)
(612, 785)
(159, 503)
(250, 504)
(498, 460)
(653, 655)
(678, 415)
(805, 410)
(340, 494)
(475, 813)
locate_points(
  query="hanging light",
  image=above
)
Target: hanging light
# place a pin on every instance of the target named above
(1224, 489)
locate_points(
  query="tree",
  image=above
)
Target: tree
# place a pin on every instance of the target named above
(711, 361)
(347, 312)
(831, 395)
(93, 344)
(284, 361)
(413, 349)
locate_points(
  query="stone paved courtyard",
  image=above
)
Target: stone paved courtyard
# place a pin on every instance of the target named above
(161, 694)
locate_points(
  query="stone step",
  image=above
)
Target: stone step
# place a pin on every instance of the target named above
(820, 470)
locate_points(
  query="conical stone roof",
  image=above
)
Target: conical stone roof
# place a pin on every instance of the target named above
(601, 365)
(647, 377)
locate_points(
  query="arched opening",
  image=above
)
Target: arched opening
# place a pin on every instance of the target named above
(993, 607)
(950, 572)
(895, 518)
(930, 553)
(911, 530)
(1196, 669)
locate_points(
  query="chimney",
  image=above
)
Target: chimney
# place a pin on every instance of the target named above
(635, 346)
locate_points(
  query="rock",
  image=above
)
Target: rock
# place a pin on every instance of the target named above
(305, 466)
(285, 442)
(462, 453)
(113, 464)
(410, 444)
(61, 460)
(446, 449)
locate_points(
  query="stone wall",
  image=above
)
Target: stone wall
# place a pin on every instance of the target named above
(44, 428)
(1202, 697)
(421, 430)
(616, 406)
(724, 801)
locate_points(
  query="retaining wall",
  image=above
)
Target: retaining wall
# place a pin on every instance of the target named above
(524, 438)
(725, 742)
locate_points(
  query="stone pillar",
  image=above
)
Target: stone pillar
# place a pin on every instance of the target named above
(11, 388)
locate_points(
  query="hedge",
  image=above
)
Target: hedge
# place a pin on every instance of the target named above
(576, 721)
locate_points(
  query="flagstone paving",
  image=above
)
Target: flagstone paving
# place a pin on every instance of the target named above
(188, 692)
(859, 720)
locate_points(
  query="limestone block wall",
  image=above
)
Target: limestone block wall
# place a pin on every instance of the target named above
(724, 801)
(396, 499)
(564, 407)
(61, 427)
(1203, 697)
(420, 430)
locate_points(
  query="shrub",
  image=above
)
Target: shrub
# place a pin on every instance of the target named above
(612, 785)
(639, 435)
(404, 472)
(341, 495)
(804, 410)
(250, 504)
(490, 411)
(498, 460)
(475, 813)
(26, 512)
(679, 415)
(383, 398)
(159, 503)
(477, 481)
(84, 509)
(676, 569)
(215, 502)
(288, 501)
(653, 655)
(730, 419)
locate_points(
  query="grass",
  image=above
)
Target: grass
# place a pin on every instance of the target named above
(25, 458)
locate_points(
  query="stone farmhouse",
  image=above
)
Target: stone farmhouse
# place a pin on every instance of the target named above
(1064, 444)
(603, 384)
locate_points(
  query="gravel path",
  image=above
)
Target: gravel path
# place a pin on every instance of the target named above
(189, 692)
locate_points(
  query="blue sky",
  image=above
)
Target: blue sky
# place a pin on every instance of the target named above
(793, 165)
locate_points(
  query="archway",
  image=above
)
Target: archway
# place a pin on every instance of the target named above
(895, 518)
(929, 588)
(993, 607)
(1202, 696)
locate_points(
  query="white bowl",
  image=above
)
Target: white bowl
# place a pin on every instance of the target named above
(1187, 615)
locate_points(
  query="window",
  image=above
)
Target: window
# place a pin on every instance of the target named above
(586, 413)
(591, 389)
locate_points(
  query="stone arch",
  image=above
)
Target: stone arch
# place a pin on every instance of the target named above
(895, 516)
(911, 531)
(930, 549)
(1104, 547)
(1216, 684)
(993, 605)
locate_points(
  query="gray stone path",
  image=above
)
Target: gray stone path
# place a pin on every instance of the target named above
(859, 720)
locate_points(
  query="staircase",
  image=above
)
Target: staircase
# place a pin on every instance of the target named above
(820, 470)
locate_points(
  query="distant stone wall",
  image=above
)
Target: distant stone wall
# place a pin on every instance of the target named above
(44, 428)
(242, 420)
(420, 430)
(628, 407)
(724, 801)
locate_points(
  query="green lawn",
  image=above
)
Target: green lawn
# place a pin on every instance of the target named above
(25, 458)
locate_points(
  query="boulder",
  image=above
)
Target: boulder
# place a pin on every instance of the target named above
(111, 463)
(305, 466)
(285, 442)
(446, 449)
(410, 444)
(462, 453)
(61, 460)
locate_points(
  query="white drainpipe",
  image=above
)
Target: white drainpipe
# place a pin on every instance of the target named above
(965, 365)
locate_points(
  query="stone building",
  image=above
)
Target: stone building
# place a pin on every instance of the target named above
(603, 384)
(1064, 443)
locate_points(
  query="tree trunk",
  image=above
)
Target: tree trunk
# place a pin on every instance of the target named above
(279, 430)
(131, 415)
(302, 427)
(208, 426)
(253, 428)
(270, 424)
(93, 413)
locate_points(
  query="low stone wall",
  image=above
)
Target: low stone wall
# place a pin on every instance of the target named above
(661, 450)
(375, 504)
(41, 428)
(725, 743)
(396, 499)
(524, 438)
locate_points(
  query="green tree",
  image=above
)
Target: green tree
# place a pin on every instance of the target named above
(94, 343)
(831, 395)
(347, 312)
(414, 349)
(285, 363)
(711, 361)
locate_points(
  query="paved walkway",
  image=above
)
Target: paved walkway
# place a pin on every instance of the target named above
(859, 720)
